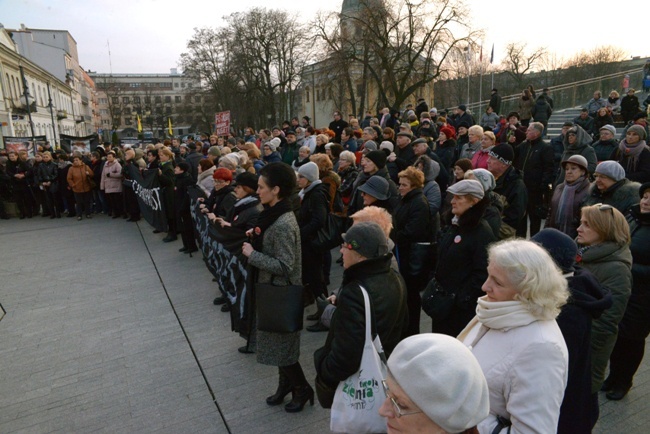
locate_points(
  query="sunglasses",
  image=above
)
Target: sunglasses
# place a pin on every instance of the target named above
(604, 207)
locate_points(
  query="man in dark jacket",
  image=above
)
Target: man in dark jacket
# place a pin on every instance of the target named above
(495, 101)
(463, 116)
(629, 106)
(404, 155)
(534, 158)
(542, 112)
(510, 186)
(337, 125)
(585, 121)
(421, 107)
(193, 158)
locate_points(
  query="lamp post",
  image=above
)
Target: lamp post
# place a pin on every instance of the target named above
(25, 100)
(51, 106)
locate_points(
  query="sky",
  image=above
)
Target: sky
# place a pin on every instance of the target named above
(148, 36)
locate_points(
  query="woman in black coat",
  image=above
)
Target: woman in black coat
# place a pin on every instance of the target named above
(19, 172)
(634, 327)
(223, 197)
(462, 254)
(413, 241)
(166, 178)
(366, 262)
(243, 214)
(184, 225)
(48, 176)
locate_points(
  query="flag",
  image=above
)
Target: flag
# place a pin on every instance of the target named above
(492, 55)
(170, 130)
(139, 124)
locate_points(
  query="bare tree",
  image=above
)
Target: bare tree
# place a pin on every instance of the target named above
(401, 46)
(520, 61)
(114, 92)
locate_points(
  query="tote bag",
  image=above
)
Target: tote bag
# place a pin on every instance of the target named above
(355, 408)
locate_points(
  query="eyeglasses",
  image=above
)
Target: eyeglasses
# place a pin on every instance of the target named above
(396, 408)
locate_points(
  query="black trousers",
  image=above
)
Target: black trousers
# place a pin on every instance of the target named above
(83, 203)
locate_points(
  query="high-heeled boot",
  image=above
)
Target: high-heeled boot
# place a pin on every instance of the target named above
(284, 387)
(302, 391)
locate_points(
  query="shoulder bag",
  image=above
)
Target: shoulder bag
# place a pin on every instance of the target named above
(280, 308)
(355, 408)
(329, 236)
(437, 302)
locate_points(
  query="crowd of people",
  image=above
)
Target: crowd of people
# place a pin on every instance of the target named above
(436, 213)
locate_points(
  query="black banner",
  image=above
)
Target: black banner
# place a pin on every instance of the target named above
(85, 145)
(221, 248)
(150, 195)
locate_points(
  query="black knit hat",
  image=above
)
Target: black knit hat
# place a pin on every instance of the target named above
(645, 186)
(377, 157)
(247, 179)
(559, 245)
(504, 153)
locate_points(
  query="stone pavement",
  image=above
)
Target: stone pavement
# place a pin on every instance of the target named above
(111, 330)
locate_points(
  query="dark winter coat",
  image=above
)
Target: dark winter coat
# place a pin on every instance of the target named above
(638, 171)
(221, 201)
(193, 159)
(629, 106)
(511, 186)
(580, 147)
(244, 213)
(183, 215)
(541, 110)
(604, 149)
(313, 212)
(422, 107)
(47, 172)
(622, 195)
(273, 157)
(341, 355)
(167, 180)
(411, 224)
(534, 158)
(587, 124)
(587, 302)
(580, 194)
(635, 324)
(462, 265)
(348, 176)
(19, 186)
(447, 153)
(356, 203)
(495, 102)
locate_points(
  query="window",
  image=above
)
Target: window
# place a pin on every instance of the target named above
(103, 101)
(127, 121)
(106, 122)
(147, 100)
(177, 99)
(307, 94)
(317, 94)
(176, 84)
(168, 110)
(125, 99)
(158, 100)
(168, 99)
(116, 100)
(183, 85)
(136, 100)
(134, 84)
(103, 112)
(159, 110)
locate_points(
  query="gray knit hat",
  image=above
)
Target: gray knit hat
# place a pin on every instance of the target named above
(638, 129)
(609, 128)
(486, 179)
(369, 146)
(367, 239)
(454, 395)
(611, 169)
(309, 171)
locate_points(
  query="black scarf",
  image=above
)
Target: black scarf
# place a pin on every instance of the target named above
(267, 217)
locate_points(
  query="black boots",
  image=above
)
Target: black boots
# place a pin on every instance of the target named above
(302, 391)
(284, 387)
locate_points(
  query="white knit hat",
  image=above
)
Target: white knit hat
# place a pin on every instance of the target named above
(309, 171)
(443, 378)
(274, 143)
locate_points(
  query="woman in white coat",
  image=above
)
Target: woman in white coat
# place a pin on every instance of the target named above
(516, 340)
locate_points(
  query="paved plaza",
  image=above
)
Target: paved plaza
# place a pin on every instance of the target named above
(111, 330)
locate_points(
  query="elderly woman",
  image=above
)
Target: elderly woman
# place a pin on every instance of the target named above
(167, 180)
(275, 252)
(328, 176)
(270, 151)
(604, 240)
(78, 180)
(634, 327)
(577, 142)
(453, 398)
(633, 154)
(222, 198)
(348, 174)
(517, 341)
(462, 255)
(431, 189)
(20, 173)
(480, 158)
(302, 158)
(412, 236)
(245, 211)
(366, 262)
(321, 141)
(204, 181)
(612, 188)
(111, 184)
(492, 214)
(564, 212)
(445, 146)
(475, 137)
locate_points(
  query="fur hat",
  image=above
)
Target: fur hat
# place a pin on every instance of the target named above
(455, 394)
(214, 151)
(309, 171)
(369, 146)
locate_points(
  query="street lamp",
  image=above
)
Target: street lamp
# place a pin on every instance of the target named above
(24, 99)
(51, 107)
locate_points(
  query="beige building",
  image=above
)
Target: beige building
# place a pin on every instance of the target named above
(154, 98)
(53, 102)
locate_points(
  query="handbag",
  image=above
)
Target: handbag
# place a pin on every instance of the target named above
(420, 259)
(329, 236)
(437, 302)
(279, 308)
(91, 181)
(355, 408)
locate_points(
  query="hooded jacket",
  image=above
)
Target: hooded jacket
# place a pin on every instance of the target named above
(580, 147)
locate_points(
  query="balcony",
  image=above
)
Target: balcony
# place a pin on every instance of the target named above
(79, 119)
(21, 108)
(84, 100)
(61, 114)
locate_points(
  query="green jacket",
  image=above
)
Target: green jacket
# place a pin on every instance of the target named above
(612, 266)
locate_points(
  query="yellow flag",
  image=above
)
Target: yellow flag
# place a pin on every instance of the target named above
(169, 127)
(139, 124)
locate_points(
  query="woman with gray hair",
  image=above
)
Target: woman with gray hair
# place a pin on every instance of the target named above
(517, 341)
(348, 173)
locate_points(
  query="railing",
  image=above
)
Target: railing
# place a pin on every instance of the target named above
(569, 95)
